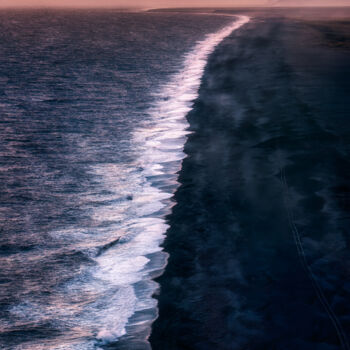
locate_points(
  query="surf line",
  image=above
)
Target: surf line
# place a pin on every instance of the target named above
(161, 139)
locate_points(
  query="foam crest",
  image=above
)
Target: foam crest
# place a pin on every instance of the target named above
(159, 143)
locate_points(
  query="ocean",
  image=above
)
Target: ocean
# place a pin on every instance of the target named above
(93, 107)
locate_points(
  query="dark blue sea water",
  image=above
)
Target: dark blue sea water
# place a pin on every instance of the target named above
(92, 127)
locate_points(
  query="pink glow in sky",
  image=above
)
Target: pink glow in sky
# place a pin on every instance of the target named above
(169, 3)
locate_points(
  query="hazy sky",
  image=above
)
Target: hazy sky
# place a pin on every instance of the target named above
(169, 3)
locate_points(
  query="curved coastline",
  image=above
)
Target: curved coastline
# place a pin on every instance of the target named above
(160, 142)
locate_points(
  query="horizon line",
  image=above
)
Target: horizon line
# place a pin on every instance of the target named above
(124, 8)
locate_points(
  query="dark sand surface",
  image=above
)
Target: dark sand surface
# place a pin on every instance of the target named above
(259, 237)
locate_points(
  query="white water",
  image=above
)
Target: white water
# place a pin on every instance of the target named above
(160, 143)
(162, 139)
(113, 298)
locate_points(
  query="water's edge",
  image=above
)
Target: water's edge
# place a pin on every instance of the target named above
(161, 143)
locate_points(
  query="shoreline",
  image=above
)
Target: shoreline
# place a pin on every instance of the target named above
(161, 141)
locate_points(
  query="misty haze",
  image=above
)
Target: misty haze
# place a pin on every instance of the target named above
(174, 178)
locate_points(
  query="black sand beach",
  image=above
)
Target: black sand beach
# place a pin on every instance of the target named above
(259, 236)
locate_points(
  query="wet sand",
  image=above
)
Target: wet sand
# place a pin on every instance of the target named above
(259, 236)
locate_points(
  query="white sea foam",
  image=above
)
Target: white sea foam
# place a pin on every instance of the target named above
(159, 143)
